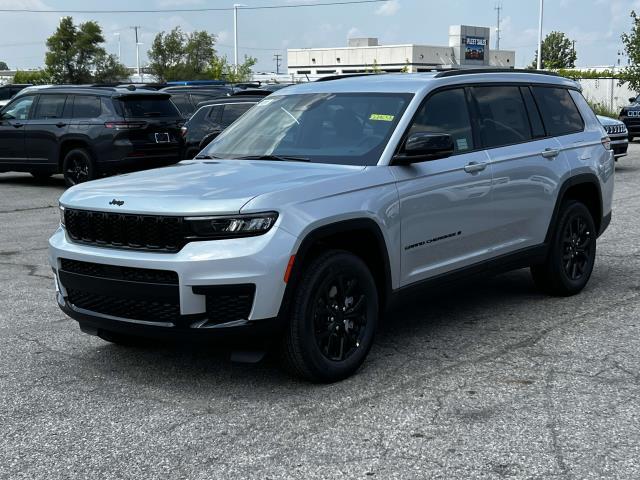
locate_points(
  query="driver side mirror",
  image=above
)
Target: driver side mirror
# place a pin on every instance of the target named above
(632, 100)
(422, 147)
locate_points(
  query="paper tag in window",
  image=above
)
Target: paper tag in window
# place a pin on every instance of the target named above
(462, 144)
(382, 118)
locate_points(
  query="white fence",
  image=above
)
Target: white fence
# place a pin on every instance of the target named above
(607, 92)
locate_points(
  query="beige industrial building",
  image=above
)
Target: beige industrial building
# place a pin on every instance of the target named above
(469, 47)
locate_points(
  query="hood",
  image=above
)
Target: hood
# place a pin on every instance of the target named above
(608, 120)
(198, 187)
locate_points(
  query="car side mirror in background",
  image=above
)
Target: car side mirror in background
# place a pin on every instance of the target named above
(632, 100)
(422, 147)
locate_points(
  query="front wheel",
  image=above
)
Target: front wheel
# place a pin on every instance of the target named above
(572, 252)
(333, 318)
(78, 167)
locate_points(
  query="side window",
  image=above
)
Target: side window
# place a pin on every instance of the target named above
(503, 119)
(215, 114)
(537, 128)
(5, 93)
(446, 112)
(559, 112)
(50, 106)
(85, 106)
(182, 102)
(18, 110)
(234, 111)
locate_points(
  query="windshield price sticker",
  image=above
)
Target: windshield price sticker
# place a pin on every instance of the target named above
(382, 118)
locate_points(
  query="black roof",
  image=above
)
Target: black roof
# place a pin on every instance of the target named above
(196, 88)
(225, 100)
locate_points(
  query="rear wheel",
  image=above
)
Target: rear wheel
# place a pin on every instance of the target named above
(78, 167)
(572, 253)
(333, 318)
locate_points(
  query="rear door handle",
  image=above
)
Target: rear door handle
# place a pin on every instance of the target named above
(61, 124)
(550, 153)
(475, 167)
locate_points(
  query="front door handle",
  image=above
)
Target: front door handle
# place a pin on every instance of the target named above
(17, 125)
(475, 167)
(550, 153)
(61, 124)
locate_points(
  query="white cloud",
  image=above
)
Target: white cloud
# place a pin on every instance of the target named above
(354, 32)
(388, 8)
(179, 3)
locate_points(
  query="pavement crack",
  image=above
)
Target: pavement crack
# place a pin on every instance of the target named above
(552, 425)
(28, 209)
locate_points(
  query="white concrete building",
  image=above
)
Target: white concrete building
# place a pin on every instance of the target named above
(469, 47)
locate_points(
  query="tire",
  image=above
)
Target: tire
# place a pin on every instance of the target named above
(572, 252)
(321, 343)
(78, 167)
(122, 339)
(631, 138)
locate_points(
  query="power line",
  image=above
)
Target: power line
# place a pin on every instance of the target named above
(188, 10)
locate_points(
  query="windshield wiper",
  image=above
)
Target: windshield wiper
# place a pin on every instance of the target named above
(280, 158)
(206, 157)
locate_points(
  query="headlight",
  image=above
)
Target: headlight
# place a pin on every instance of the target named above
(61, 209)
(231, 226)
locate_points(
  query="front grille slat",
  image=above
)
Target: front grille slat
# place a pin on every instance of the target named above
(144, 275)
(124, 230)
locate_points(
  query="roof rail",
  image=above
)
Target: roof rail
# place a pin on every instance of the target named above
(472, 71)
(346, 75)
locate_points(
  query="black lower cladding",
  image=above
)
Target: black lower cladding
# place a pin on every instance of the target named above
(227, 303)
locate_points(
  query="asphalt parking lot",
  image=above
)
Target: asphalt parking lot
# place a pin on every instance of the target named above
(489, 379)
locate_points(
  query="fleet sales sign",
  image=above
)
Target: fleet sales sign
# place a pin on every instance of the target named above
(474, 48)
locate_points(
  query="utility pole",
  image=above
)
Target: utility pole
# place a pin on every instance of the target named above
(498, 8)
(137, 50)
(540, 35)
(278, 58)
(117, 34)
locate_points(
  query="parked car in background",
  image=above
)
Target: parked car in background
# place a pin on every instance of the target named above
(87, 132)
(272, 87)
(618, 134)
(630, 116)
(327, 201)
(7, 92)
(187, 98)
(211, 119)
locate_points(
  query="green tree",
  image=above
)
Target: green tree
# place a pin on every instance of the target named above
(557, 52)
(4, 66)
(631, 41)
(76, 55)
(179, 56)
(221, 69)
(37, 77)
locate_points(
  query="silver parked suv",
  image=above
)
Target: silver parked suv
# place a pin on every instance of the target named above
(315, 210)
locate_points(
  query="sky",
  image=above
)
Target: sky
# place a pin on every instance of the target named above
(595, 25)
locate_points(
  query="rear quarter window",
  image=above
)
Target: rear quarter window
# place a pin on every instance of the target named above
(148, 106)
(85, 106)
(559, 112)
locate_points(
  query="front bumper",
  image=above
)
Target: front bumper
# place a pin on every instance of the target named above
(619, 144)
(260, 261)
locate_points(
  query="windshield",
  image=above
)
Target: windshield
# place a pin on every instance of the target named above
(339, 128)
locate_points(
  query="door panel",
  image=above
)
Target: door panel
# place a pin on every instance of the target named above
(446, 215)
(444, 204)
(12, 127)
(44, 130)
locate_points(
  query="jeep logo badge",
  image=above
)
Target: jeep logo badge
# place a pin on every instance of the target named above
(116, 202)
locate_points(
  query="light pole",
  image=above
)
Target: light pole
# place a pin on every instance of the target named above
(235, 34)
(117, 34)
(540, 36)
(137, 50)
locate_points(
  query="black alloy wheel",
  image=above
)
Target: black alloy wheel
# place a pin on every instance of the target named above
(572, 252)
(339, 316)
(332, 318)
(77, 167)
(577, 241)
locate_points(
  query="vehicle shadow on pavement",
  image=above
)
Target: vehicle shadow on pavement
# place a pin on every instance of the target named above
(405, 331)
(25, 179)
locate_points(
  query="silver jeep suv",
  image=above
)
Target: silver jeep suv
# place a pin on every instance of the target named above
(326, 201)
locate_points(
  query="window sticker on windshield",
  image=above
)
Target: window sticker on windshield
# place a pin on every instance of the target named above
(382, 118)
(462, 144)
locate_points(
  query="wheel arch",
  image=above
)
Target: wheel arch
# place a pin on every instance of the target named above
(360, 236)
(584, 187)
(69, 144)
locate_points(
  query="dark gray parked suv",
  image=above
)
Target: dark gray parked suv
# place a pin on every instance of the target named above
(87, 132)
